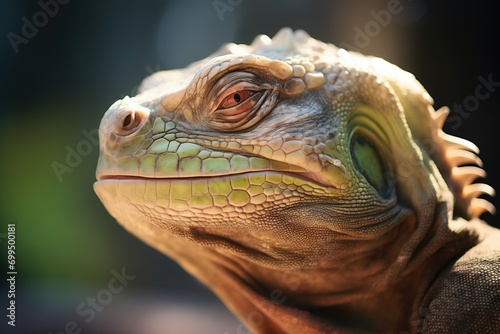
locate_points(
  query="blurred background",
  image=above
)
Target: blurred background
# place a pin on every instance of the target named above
(64, 63)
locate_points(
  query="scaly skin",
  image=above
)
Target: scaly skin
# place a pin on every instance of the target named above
(311, 188)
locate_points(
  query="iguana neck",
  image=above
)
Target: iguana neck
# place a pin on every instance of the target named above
(350, 284)
(345, 280)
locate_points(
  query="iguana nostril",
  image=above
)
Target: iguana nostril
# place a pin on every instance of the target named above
(124, 118)
(127, 121)
(130, 122)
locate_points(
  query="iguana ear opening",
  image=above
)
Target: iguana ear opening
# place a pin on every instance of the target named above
(370, 164)
(369, 145)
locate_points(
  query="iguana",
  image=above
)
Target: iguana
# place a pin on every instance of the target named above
(311, 188)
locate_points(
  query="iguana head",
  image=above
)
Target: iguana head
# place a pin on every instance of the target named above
(286, 155)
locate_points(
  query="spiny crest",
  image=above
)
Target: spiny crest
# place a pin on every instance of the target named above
(456, 158)
(460, 166)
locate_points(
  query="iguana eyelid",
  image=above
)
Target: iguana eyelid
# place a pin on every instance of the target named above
(251, 79)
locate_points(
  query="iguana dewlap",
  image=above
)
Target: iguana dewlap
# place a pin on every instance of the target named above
(311, 188)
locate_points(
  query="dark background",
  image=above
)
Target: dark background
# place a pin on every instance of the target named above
(90, 53)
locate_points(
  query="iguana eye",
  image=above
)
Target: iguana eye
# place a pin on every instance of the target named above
(238, 109)
(235, 99)
(240, 100)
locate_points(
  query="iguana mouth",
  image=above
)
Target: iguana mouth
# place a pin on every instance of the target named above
(308, 176)
(199, 197)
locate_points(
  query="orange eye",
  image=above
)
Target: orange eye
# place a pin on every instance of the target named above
(235, 98)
